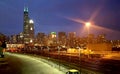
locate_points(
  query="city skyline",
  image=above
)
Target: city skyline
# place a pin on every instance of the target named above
(62, 16)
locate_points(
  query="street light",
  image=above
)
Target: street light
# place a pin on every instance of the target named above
(80, 59)
(88, 24)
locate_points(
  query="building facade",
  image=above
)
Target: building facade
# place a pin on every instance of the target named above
(62, 38)
(52, 39)
(40, 38)
(28, 28)
(71, 39)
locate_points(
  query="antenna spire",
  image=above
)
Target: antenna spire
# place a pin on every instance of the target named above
(25, 9)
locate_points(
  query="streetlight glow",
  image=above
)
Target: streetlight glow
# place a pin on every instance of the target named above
(87, 24)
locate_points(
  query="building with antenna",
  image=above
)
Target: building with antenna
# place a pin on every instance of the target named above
(28, 28)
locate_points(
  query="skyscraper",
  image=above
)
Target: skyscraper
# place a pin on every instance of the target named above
(71, 39)
(40, 38)
(62, 38)
(28, 27)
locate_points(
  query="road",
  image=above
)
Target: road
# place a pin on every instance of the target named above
(23, 64)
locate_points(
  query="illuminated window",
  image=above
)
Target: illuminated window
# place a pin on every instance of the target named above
(31, 21)
(31, 28)
(31, 40)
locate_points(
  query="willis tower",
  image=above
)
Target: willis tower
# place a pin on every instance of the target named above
(28, 28)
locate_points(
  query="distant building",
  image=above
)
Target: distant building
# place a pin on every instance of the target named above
(115, 43)
(13, 39)
(53, 35)
(52, 39)
(100, 47)
(21, 40)
(71, 34)
(62, 38)
(71, 39)
(101, 38)
(46, 40)
(28, 28)
(90, 38)
(40, 38)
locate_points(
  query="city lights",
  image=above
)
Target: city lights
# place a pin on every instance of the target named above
(31, 41)
(31, 21)
(31, 28)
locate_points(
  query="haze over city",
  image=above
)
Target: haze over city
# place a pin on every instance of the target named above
(62, 15)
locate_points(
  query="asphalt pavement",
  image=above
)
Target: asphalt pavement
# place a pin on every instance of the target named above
(24, 64)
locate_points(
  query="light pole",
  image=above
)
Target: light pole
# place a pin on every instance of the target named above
(59, 57)
(48, 52)
(88, 24)
(80, 59)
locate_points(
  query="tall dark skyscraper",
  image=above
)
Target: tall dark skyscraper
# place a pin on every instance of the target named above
(28, 27)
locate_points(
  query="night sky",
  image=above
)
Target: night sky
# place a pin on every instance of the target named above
(62, 15)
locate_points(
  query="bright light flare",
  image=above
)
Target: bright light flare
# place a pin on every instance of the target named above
(87, 24)
(75, 20)
(91, 24)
